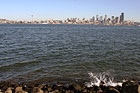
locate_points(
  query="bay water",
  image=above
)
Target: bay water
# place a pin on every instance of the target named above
(68, 52)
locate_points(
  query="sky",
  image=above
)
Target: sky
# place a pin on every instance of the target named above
(62, 9)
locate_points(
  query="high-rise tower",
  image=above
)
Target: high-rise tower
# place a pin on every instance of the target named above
(32, 18)
(122, 14)
(105, 19)
(93, 18)
(121, 17)
(97, 17)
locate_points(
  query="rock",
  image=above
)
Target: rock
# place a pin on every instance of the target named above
(67, 91)
(40, 86)
(20, 90)
(85, 91)
(0, 91)
(139, 89)
(77, 87)
(40, 91)
(37, 90)
(130, 87)
(91, 89)
(59, 88)
(8, 90)
(113, 90)
(99, 90)
(49, 89)
(46, 92)
(55, 91)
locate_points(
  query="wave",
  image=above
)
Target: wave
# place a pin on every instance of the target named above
(104, 79)
(17, 64)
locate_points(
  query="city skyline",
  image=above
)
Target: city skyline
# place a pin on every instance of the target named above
(98, 20)
(62, 9)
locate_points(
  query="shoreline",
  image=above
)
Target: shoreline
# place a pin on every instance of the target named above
(11, 86)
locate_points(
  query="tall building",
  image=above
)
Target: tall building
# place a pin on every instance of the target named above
(101, 18)
(117, 20)
(105, 19)
(97, 17)
(122, 16)
(93, 18)
(32, 18)
(113, 20)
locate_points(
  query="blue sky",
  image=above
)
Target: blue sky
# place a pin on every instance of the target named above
(62, 9)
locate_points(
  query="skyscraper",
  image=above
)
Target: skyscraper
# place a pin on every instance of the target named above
(105, 19)
(117, 20)
(113, 20)
(93, 18)
(97, 17)
(122, 16)
(32, 18)
(101, 18)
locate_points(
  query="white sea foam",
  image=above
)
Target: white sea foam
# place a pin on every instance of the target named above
(101, 78)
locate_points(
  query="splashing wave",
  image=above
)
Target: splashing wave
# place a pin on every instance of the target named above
(102, 79)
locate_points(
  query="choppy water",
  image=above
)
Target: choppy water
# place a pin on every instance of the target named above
(68, 52)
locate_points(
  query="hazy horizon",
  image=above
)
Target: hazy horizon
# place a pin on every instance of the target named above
(62, 9)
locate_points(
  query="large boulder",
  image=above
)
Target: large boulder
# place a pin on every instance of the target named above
(20, 90)
(8, 90)
(139, 89)
(77, 87)
(130, 87)
(37, 90)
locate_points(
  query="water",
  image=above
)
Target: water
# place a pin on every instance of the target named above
(68, 52)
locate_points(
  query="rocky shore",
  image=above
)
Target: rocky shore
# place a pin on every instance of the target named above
(31, 87)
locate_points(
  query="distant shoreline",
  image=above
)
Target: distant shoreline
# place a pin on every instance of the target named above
(70, 24)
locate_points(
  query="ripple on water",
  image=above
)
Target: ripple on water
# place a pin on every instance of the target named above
(71, 51)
